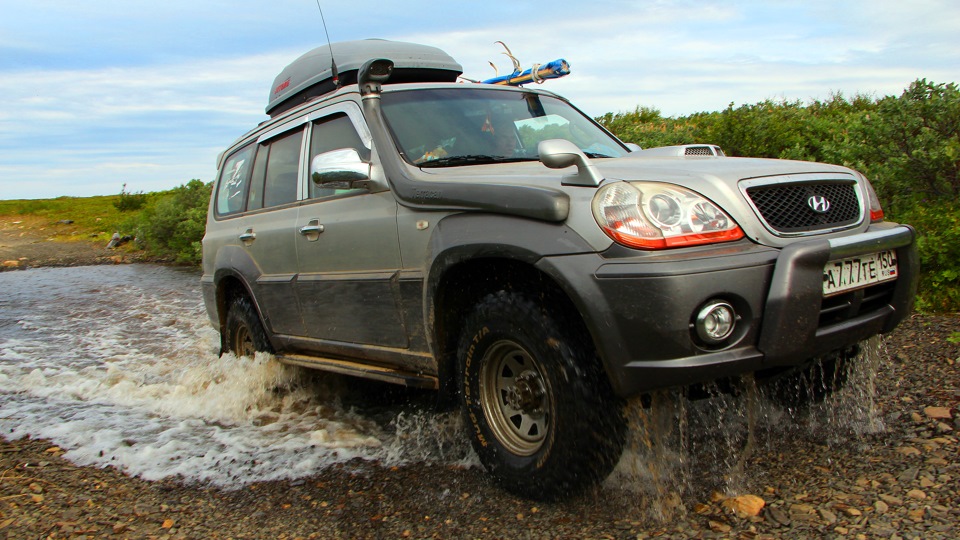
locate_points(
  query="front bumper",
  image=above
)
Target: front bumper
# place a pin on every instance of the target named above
(639, 310)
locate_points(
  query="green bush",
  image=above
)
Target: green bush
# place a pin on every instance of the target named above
(910, 145)
(938, 226)
(646, 127)
(172, 225)
(128, 202)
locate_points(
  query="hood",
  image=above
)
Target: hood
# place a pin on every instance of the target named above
(695, 169)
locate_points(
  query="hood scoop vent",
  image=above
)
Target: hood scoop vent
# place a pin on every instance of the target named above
(683, 150)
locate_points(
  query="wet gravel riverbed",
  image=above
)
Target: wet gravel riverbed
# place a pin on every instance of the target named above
(817, 475)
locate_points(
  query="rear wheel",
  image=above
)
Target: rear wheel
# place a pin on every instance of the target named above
(244, 333)
(542, 416)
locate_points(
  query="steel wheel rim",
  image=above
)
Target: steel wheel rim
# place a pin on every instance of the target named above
(243, 342)
(515, 398)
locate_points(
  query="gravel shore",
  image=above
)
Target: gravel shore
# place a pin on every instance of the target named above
(887, 470)
(32, 242)
(881, 462)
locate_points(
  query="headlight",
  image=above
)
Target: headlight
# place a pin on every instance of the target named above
(648, 215)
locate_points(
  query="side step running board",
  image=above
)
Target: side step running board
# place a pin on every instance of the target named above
(345, 367)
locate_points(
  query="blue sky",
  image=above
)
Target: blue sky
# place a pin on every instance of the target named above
(101, 93)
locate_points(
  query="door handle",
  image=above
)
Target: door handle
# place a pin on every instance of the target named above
(248, 236)
(311, 230)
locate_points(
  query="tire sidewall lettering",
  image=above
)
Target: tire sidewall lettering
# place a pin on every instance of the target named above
(473, 358)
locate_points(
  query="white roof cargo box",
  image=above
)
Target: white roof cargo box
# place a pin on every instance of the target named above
(311, 75)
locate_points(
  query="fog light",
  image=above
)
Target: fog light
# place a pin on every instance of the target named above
(715, 322)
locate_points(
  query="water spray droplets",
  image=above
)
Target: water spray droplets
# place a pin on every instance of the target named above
(685, 449)
(129, 376)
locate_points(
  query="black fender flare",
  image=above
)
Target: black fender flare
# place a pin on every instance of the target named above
(235, 262)
(465, 237)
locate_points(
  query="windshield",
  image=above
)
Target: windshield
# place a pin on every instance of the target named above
(464, 126)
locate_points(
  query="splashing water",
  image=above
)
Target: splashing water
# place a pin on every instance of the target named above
(119, 366)
(679, 446)
(854, 408)
(654, 460)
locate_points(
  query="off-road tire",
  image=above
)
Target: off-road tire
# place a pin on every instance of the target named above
(243, 332)
(540, 411)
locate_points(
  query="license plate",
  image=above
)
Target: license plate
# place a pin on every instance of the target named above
(857, 272)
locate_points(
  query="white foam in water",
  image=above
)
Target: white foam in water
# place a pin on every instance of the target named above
(119, 366)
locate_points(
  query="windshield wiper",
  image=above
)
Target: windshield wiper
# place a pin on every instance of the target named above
(593, 155)
(472, 159)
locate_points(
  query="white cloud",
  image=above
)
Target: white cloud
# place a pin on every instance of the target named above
(687, 57)
(101, 97)
(83, 132)
(234, 86)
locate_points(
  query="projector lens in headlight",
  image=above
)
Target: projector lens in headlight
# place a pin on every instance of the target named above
(652, 215)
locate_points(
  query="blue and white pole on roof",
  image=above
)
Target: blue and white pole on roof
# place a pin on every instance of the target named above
(538, 73)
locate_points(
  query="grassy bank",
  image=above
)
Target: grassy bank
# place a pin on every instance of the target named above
(165, 225)
(94, 218)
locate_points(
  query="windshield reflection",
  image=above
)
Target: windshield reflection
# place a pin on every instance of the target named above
(445, 127)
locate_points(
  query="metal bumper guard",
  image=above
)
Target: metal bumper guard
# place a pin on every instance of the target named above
(790, 331)
(639, 315)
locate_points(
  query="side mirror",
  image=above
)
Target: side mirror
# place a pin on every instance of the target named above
(343, 167)
(561, 153)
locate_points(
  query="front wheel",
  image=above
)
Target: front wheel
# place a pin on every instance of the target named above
(243, 332)
(541, 414)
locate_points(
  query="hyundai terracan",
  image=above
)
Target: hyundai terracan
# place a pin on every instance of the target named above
(497, 245)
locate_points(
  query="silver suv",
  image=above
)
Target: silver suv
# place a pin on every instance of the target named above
(497, 245)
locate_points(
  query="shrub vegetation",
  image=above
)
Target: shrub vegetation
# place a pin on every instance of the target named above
(171, 225)
(127, 202)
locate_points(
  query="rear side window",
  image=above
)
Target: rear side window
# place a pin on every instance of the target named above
(261, 175)
(282, 167)
(255, 199)
(234, 177)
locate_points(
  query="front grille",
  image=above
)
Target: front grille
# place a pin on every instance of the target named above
(793, 208)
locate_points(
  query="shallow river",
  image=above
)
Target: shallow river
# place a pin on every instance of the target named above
(118, 365)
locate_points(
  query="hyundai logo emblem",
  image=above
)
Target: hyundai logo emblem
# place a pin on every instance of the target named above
(819, 204)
